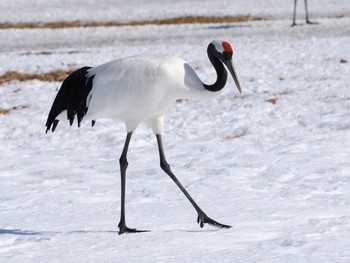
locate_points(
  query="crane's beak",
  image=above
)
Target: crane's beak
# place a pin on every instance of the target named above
(231, 68)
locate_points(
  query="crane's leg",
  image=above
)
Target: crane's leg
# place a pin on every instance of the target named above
(123, 166)
(202, 217)
(307, 16)
(294, 13)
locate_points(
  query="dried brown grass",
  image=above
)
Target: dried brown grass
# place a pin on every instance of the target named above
(4, 111)
(166, 21)
(272, 101)
(7, 111)
(232, 136)
(57, 75)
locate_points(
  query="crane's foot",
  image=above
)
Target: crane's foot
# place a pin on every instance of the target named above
(204, 219)
(295, 24)
(311, 23)
(123, 229)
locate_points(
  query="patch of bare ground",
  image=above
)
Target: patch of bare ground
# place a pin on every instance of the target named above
(166, 21)
(57, 75)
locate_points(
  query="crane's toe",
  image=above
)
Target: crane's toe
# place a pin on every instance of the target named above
(311, 23)
(123, 229)
(204, 219)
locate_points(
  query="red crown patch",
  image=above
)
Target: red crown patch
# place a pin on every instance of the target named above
(227, 47)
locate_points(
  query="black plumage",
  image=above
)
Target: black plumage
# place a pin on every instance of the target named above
(71, 97)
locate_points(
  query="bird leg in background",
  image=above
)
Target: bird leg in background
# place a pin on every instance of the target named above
(294, 13)
(123, 166)
(306, 15)
(202, 217)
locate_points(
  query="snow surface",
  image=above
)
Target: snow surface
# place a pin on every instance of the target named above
(279, 174)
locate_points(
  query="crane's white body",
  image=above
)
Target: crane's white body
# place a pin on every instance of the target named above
(136, 89)
(142, 88)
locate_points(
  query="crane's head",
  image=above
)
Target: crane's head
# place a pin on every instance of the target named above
(223, 51)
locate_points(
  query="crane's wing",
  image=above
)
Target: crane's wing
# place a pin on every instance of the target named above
(72, 98)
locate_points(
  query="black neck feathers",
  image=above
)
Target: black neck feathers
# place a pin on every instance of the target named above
(219, 68)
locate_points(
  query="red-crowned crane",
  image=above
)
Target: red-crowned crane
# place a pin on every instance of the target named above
(140, 89)
(306, 14)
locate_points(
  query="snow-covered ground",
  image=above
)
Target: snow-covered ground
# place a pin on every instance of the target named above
(122, 10)
(278, 173)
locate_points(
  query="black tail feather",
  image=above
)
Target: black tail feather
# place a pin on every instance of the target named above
(72, 98)
(55, 123)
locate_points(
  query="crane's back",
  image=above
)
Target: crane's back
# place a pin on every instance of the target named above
(136, 87)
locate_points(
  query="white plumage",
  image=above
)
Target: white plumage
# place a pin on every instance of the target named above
(135, 99)
(136, 89)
